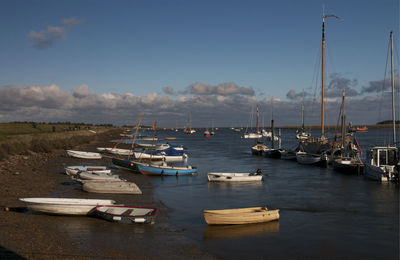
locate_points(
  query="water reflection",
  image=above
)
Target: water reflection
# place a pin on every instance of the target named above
(237, 231)
(235, 185)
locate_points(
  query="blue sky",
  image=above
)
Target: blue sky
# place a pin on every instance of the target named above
(142, 47)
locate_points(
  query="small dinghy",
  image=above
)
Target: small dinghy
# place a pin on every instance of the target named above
(240, 216)
(112, 187)
(126, 214)
(73, 170)
(234, 176)
(83, 155)
(97, 176)
(64, 206)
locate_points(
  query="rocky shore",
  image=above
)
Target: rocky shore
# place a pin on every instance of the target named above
(28, 235)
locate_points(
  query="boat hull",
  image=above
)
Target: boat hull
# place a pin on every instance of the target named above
(347, 168)
(126, 214)
(163, 171)
(112, 187)
(240, 216)
(83, 155)
(233, 177)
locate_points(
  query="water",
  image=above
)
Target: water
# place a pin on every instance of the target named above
(323, 214)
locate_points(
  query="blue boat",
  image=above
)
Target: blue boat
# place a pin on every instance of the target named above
(165, 170)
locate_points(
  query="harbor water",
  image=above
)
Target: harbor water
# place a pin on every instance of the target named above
(323, 214)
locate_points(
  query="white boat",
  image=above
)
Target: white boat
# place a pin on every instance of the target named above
(64, 206)
(83, 155)
(112, 187)
(252, 135)
(97, 176)
(235, 176)
(73, 170)
(160, 156)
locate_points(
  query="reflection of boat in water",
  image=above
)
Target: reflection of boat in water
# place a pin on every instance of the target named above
(236, 231)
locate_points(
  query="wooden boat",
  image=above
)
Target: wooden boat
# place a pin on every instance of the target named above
(240, 216)
(112, 187)
(64, 206)
(234, 177)
(97, 176)
(73, 170)
(165, 170)
(83, 155)
(169, 138)
(126, 214)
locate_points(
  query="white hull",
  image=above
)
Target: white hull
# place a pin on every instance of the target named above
(233, 177)
(166, 158)
(73, 170)
(83, 155)
(64, 206)
(112, 187)
(97, 176)
(252, 135)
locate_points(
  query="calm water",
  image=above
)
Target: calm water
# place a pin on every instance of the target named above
(324, 214)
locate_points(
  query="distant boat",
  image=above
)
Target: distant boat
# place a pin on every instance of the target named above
(83, 155)
(165, 170)
(112, 187)
(234, 176)
(126, 214)
(207, 133)
(256, 134)
(169, 138)
(240, 216)
(73, 170)
(259, 148)
(64, 206)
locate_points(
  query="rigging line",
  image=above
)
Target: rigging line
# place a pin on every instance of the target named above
(316, 88)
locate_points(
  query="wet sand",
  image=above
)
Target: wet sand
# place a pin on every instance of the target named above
(24, 234)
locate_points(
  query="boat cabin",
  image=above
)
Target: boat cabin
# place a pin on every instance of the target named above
(384, 156)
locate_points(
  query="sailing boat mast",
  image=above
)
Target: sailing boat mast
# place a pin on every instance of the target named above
(343, 118)
(302, 114)
(392, 75)
(257, 122)
(322, 77)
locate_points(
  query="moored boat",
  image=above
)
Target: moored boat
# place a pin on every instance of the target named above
(97, 176)
(83, 155)
(240, 216)
(165, 170)
(64, 206)
(112, 187)
(126, 214)
(235, 176)
(73, 170)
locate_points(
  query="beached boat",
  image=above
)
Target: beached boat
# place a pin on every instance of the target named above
(112, 187)
(73, 170)
(125, 164)
(240, 216)
(126, 214)
(83, 155)
(165, 170)
(235, 176)
(97, 176)
(64, 206)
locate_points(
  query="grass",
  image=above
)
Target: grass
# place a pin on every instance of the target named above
(24, 138)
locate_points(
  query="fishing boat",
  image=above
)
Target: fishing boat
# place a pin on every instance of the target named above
(126, 214)
(383, 161)
(165, 170)
(240, 216)
(64, 206)
(83, 155)
(73, 170)
(112, 187)
(235, 176)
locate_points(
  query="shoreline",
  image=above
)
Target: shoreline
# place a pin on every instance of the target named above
(24, 234)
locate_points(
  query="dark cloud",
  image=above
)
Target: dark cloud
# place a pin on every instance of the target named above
(293, 95)
(45, 38)
(224, 89)
(380, 85)
(337, 84)
(168, 90)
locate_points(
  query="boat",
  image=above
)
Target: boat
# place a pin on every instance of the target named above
(165, 170)
(273, 152)
(73, 170)
(64, 206)
(126, 214)
(312, 159)
(170, 155)
(125, 164)
(83, 155)
(112, 187)
(97, 176)
(256, 134)
(382, 161)
(169, 138)
(259, 148)
(240, 216)
(348, 165)
(207, 133)
(301, 134)
(235, 176)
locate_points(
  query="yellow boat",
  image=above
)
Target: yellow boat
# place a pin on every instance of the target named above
(240, 216)
(169, 138)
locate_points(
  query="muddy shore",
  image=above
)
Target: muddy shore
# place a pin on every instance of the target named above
(28, 235)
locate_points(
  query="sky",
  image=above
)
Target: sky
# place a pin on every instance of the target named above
(203, 62)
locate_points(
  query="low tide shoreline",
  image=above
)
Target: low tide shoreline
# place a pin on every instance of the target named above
(24, 234)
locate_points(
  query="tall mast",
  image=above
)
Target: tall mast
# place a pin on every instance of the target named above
(343, 118)
(392, 73)
(257, 121)
(302, 113)
(322, 77)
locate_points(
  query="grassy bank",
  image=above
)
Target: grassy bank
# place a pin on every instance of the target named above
(24, 138)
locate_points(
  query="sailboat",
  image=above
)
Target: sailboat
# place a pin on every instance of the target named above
(346, 159)
(383, 163)
(315, 150)
(302, 134)
(252, 134)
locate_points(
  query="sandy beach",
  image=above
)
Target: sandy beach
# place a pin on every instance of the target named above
(24, 234)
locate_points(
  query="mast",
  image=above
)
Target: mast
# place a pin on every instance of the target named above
(257, 122)
(343, 119)
(134, 137)
(302, 114)
(322, 77)
(392, 73)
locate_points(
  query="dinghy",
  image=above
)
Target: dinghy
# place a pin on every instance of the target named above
(112, 187)
(97, 176)
(126, 214)
(235, 177)
(73, 170)
(64, 206)
(240, 216)
(83, 155)
(164, 169)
